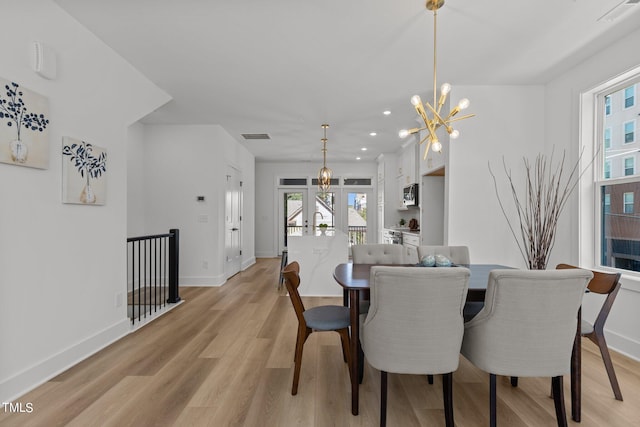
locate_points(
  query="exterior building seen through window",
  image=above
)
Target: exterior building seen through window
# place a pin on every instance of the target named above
(617, 179)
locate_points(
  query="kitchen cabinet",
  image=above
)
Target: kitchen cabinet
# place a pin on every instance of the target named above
(408, 165)
(411, 241)
(387, 192)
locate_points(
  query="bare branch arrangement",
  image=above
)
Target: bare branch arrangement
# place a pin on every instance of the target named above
(546, 192)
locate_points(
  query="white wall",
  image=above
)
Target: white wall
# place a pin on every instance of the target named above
(509, 123)
(563, 120)
(136, 214)
(267, 174)
(181, 163)
(62, 265)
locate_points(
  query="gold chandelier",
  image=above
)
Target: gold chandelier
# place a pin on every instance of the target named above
(324, 176)
(431, 124)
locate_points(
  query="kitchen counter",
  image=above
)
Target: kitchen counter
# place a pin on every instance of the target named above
(318, 257)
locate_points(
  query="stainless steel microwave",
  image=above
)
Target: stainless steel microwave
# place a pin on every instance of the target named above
(410, 195)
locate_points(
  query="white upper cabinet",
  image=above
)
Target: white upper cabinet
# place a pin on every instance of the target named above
(408, 165)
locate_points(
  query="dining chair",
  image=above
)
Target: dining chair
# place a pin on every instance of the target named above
(457, 255)
(322, 318)
(527, 328)
(415, 325)
(605, 284)
(377, 253)
(373, 253)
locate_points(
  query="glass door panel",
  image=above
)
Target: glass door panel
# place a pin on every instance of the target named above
(293, 215)
(357, 222)
(324, 214)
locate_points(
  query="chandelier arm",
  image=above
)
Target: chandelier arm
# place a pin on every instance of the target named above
(436, 115)
(457, 119)
(420, 110)
(426, 150)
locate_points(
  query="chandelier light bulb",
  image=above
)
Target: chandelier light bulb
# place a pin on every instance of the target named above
(415, 100)
(403, 133)
(464, 103)
(445, 88)
(455, 134)
(436, 146)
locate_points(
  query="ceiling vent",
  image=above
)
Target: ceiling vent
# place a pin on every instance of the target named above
(618, 10)
(256, 136)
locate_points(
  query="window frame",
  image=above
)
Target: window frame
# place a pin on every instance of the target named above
(633, 166)
(591, 187)
(624, 131)
(625, 203)
(624, 97)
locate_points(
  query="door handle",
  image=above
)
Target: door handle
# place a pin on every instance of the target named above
(234, 229)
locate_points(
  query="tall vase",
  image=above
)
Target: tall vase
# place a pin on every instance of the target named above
(87, 195)
(19, 151)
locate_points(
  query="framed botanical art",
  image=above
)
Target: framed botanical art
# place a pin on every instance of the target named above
(24, 119)
(84, 172)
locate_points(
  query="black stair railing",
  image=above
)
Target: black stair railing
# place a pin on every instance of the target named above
(152, 269)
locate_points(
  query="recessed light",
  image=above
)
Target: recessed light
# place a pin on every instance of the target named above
(364, 149)
(357, 158)
(373, 133)
(386, 112)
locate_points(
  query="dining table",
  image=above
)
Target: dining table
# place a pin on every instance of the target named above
(354, 279)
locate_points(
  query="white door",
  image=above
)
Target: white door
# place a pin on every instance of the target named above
(292, 214)
(233, 231)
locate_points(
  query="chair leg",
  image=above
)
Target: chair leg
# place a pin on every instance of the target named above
(606, 358)
(383, 398)
(492, 401)
(344, 338)
(514, 381)
(558, 400)
(302, 337)
(447, 393)
(360, 363)
(430, 378)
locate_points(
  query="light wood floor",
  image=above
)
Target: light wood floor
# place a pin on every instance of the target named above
(225, 357)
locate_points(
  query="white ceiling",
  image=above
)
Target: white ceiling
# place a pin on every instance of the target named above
(284, 67)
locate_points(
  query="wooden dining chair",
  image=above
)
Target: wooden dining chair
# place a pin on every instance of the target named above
(415, 325)
(322, 318)
(605, 284)
(527, 328)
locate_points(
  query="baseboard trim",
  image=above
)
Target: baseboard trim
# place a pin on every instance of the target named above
(623, 345)
(21, 383)
(212, 281)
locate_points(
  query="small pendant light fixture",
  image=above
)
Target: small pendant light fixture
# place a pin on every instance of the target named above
(324, 176)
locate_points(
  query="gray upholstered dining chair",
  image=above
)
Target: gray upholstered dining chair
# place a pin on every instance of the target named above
(457, 254)
(377, 253)
(527, 328)
(415, 325)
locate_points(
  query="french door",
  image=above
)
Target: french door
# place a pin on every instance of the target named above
(302, 210)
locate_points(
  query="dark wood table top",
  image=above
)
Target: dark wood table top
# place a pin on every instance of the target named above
(356, 276)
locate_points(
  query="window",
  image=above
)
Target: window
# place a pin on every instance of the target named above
(629, 96)
(616, 223)
(628, 203)
(629, 166)
(629, 131)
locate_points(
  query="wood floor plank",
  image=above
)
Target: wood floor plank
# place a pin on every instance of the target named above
(225, 358)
